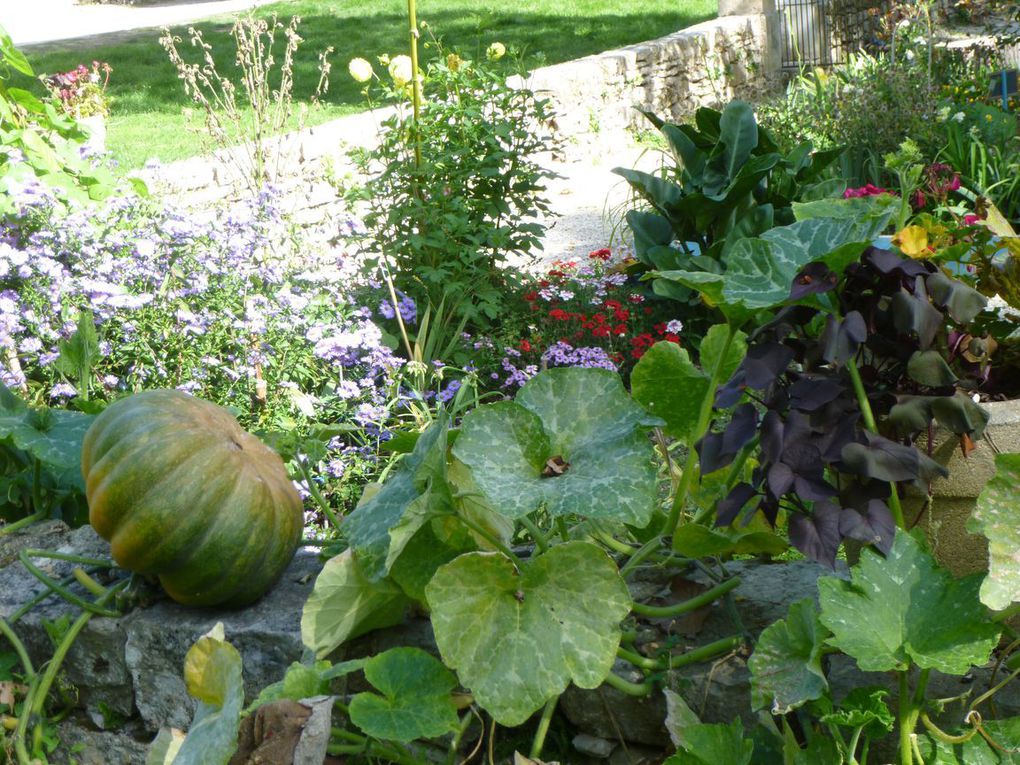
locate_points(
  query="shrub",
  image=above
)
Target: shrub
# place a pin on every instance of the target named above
(451, 197)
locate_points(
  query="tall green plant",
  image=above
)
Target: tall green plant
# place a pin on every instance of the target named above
(730, 181)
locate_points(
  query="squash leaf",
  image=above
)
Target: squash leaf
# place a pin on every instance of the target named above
(573, 441)
(903, 609)
(668, 384)
(344, 604)
(212, 675)
(301, 681)
(415, 701)
(386, 520)
(489, 617)
(786, 667)
(997, 517)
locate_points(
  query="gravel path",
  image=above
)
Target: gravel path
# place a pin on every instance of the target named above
(589, 201)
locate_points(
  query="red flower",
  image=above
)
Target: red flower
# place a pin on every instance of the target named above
(671, 338)
(636, 298)
(559, 314)
(620, 329)
(621, 314)
(603, 254)
(531, 296)
(612, 305)
(602, 331)
(525, 346)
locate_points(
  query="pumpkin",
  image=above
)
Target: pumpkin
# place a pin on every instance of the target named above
(182, 492)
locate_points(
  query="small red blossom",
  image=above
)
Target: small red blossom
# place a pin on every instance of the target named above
(671, 338)
(525, 346)
(635, 298)
(531, 296)
(620, 329)
(604, 254)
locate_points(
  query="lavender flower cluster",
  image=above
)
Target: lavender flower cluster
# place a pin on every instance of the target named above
(226, 305)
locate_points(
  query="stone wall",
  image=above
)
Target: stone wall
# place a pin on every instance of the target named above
(708, 64)
(592, 98)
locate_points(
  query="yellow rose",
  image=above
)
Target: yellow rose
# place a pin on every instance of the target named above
(360, 69)
(400, 70)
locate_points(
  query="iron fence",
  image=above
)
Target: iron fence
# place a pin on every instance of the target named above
(823, 32)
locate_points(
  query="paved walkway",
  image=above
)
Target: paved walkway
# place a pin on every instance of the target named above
(38, 22)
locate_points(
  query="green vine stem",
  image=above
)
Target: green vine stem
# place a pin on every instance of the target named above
(666, 612)
(910, 708)
(625, 686)
(10, 528)
(490, 538)
(704, 419)
(869, 422)
(465, 723)
(646, 550)
(944, 737)
(316, 495)
(541, 542)
(19, 649)
(40, 687)
(96, 608)
(412, 19)
(705, 652)
(638, 660)
(543, 727)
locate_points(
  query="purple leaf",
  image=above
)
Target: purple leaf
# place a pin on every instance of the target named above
(874, 526)
(817, 535)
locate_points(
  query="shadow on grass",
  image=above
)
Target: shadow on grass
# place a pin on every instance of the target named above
(147, 99)
(143, 80)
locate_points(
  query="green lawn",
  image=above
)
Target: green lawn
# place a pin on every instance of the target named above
(147, 99)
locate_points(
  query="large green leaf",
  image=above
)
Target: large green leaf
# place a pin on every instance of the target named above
(517, 638)
(714, 344)
(904, 610)
(385, 520)
(573, 441)
(212, 675)
(786, 667)
(415, 701)
(344, 604)
(666, 382)
(53, 436)
(760, 270)
(997, 517)
(697, 541)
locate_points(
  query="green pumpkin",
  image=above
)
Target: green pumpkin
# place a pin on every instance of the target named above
(182, 492)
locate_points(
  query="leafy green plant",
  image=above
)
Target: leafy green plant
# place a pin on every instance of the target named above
(731, 181)
(40, 453)
(899, 614)
(453, 188)
(40, 143)
(566, 459)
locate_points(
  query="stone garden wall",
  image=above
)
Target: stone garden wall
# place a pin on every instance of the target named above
(592, 99)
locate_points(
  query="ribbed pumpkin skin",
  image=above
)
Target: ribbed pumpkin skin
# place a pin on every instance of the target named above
(181, 491)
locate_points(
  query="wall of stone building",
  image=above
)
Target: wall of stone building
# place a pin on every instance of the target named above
(592, 98)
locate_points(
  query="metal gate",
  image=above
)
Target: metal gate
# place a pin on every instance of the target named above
(823, 32)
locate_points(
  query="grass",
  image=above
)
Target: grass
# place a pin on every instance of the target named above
(147, 100)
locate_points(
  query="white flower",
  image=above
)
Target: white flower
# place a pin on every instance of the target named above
(675, 326)
(400, 70)
(496, 51)
(360, 69)
(959, 116)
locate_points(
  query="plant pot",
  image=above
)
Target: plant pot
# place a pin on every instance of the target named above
(95, 129)
(954, 498)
